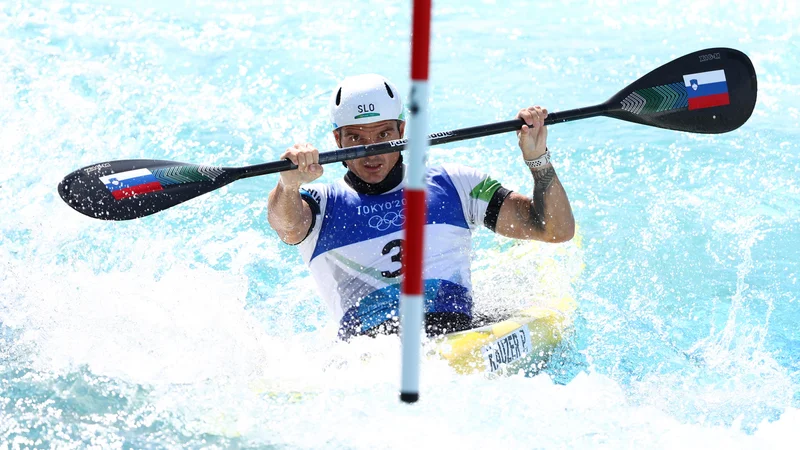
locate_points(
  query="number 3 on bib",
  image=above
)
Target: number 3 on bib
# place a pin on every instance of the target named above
(397, 257)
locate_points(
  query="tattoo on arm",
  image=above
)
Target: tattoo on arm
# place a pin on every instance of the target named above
(542, 179)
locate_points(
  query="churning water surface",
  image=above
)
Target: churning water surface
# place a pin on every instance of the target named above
(196, 327)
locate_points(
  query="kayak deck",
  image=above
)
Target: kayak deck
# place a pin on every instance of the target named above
(525, 340)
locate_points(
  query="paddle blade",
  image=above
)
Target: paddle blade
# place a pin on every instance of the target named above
(709, 91)
(129, 189)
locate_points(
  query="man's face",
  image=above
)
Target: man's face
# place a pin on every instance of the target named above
(372, 169)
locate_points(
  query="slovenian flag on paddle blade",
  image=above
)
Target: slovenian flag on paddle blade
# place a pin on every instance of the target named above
(130, 183)
(707, 89)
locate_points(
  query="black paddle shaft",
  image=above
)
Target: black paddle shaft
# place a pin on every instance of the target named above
(361, 151)
(672, 96)
(658, 99)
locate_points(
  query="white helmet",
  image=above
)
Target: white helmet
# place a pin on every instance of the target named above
(364, 99)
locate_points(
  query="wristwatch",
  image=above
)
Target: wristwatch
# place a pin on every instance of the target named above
(540, 161)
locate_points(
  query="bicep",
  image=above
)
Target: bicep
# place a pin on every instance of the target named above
(298, 233)
(291, 219)
(515, 219)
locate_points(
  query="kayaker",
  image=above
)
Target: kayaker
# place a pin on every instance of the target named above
(350, 232)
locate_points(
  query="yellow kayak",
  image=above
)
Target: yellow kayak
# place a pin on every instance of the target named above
(524, 341)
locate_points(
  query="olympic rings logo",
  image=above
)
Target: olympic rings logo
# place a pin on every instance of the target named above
(383, 223)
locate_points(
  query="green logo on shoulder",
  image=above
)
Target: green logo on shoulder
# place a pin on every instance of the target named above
(485, 189)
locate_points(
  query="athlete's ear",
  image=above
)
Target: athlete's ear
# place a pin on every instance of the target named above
(401, 127)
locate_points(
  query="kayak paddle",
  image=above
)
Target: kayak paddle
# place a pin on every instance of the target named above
(708, 91)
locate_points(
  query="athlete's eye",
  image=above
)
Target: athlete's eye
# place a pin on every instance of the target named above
(354, 137)
(383, 134)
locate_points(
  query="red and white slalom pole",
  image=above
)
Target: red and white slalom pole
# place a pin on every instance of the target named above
(412, 300)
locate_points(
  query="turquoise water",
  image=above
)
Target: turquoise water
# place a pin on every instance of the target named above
(159, 332)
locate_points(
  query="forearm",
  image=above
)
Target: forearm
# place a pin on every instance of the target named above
(288, 214)
(549, 211)
(547, 216)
